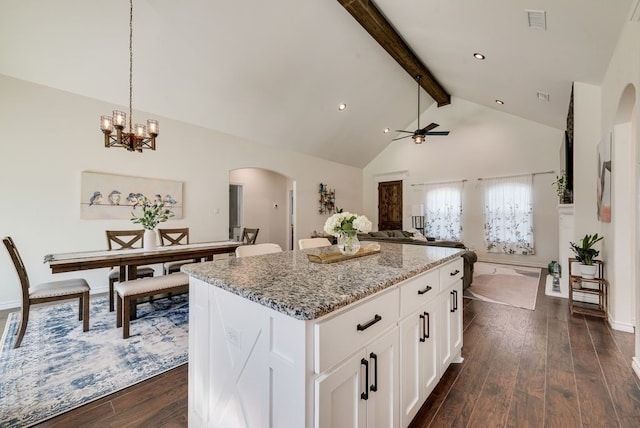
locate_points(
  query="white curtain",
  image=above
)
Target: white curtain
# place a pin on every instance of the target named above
(508, 224)
(443, 210)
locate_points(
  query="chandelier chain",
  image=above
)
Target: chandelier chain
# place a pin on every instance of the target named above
(130, 63)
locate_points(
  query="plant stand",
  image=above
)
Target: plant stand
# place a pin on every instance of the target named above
(592, 293)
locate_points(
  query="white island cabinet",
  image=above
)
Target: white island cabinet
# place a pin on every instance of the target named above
(278, 341)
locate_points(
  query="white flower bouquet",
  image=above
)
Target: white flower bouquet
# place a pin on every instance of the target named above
(347, 223)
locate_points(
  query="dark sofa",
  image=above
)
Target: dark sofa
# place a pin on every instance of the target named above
(406, 237)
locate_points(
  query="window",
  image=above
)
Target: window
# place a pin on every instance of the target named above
(508, 225)
(443, 210)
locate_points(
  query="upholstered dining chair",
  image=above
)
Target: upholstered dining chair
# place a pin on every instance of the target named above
(249, 235)
(257, 249)
(176, 236)
(120, 240)
(305, 243)
(66, 289)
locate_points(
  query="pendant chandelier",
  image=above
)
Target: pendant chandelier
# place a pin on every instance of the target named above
(138, 137)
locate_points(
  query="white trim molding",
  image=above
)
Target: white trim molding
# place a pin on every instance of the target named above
(635, 365)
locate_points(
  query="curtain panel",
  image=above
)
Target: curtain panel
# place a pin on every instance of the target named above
(508, 215)
(443, 210)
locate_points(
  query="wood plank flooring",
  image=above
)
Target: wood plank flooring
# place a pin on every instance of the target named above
(542, 368)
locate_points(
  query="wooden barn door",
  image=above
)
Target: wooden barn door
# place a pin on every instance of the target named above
(390, 205)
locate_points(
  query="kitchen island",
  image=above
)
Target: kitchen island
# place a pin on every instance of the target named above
(279, 341)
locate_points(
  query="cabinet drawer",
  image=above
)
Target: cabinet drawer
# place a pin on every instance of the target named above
(451, 272)
(337, 337)
(418, 291)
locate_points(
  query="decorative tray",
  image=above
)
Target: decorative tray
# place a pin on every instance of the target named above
(337, 256)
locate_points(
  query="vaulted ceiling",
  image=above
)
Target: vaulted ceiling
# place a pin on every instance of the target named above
(274, 72)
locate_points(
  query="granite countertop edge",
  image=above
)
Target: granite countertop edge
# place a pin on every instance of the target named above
(298, 311)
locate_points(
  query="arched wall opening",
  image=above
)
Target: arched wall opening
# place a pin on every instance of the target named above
(266, 201)
(625, 271)
(621, 245)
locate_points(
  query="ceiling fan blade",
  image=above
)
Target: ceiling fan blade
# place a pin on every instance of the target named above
(438, 133)
(400, 138)
(400, 130)
(429, 127)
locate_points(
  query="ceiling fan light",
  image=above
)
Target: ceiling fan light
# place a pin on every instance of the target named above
(418, 139)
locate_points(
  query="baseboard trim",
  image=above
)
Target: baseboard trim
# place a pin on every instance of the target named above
(635, 364)
(621, 326)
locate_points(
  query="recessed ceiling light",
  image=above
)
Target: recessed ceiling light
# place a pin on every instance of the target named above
(479, 56)
(386, 130)
(342, 107)
(499, 102)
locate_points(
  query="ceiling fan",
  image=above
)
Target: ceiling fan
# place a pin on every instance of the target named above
(419, 134)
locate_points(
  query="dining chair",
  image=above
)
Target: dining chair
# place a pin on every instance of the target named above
(176, 236)
(305, 243)
(257, 249)
(66, 289)
(120, 240)
(249, 235)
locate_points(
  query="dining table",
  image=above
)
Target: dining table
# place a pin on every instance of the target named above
(128, 260)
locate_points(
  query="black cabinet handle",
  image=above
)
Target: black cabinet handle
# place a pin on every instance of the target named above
(370, 323)
(429, 288)
(455, 300)
(453, 305)
(422, 339)
(374, 357)
(365, 394)
(454, 273)
(428, 330)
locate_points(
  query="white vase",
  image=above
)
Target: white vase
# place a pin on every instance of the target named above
(149, 240)
(348, 243)
(588, 271)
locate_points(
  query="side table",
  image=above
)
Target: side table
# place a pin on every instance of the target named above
(597, 286)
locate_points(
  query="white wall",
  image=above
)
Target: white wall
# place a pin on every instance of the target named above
(50, 136)
(261, 191)
(483, 142)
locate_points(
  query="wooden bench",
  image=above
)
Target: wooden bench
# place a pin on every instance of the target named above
(128, 291)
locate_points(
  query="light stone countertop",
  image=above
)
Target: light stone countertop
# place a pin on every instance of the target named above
(289, 283)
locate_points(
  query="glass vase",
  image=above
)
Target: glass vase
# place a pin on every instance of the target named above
(348, 243)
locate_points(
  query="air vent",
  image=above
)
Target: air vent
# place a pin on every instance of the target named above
(537, 19)
(543, 96)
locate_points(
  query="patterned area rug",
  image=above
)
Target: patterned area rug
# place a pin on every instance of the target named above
(59, 367)
(504, 284)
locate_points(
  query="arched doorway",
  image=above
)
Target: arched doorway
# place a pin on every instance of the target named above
(263, 199)
(625, 137)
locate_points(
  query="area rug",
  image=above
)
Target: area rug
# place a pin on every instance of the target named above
(504, 284)
(59, 367)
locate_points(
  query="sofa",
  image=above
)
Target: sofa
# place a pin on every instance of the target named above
(415, 238)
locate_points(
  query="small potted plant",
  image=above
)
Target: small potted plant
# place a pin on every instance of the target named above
(585, 254)
(564, 195)
(152, 215)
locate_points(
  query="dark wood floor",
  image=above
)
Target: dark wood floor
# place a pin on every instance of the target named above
(542, 368)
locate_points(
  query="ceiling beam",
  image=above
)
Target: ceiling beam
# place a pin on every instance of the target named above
(372, 20)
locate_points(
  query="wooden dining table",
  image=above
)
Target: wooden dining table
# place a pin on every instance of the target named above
(128, 260)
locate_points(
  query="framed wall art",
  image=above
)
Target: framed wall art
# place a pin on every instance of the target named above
(604, 179)
(109, 196)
